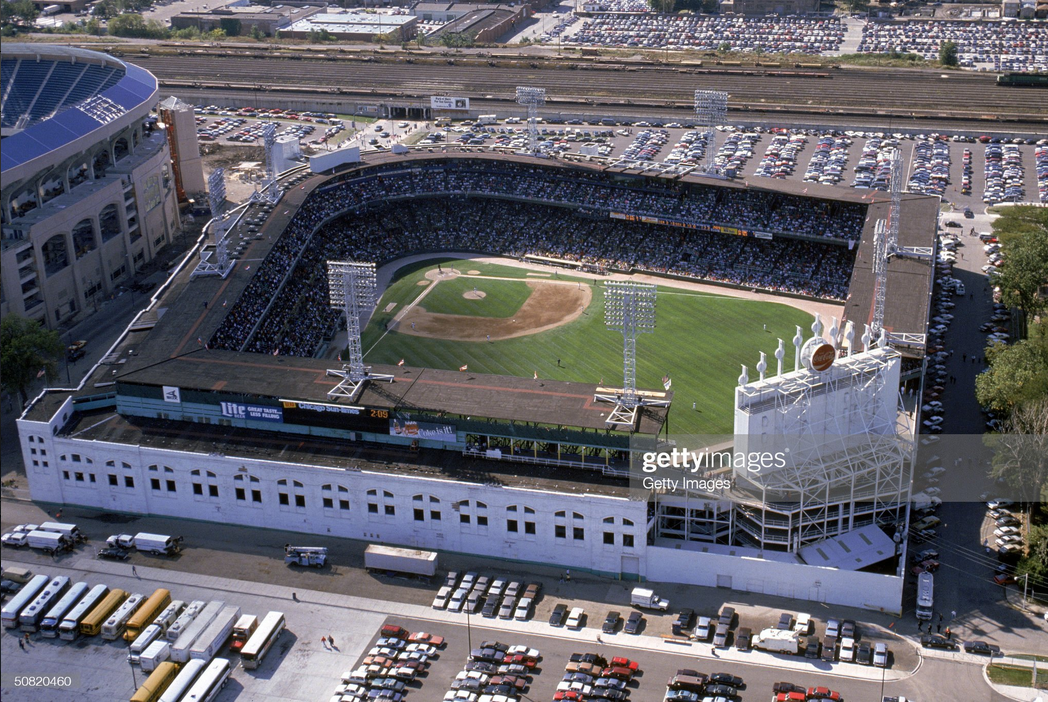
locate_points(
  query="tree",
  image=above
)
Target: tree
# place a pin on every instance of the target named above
(1024, 243)
(26, 348)
(1017, 373)
(231, 26)
(1036, 563)
(1020, 457)
(853, 6)
(948, 54)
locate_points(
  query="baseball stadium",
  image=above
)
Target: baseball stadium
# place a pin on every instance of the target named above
(492, 359)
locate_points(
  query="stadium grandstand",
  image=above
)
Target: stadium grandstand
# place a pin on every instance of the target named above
(87, 197)
(221, 382)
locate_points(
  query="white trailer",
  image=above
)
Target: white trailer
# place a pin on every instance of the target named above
(170, 614)
(184, 620)
(71, 531)
(154, 654)
(48, 541)
(400, 560)
(778, 641)
(180, 649)
(215, 636)
(150, 634)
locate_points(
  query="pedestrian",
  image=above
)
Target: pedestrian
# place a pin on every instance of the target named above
(331, 640)
(323, 640)
(26, 637)
(489, 337)
(567, 576)
(294, 596)
(598, 640)
(920, 624)
(953, 614)
(21, 644)
(765, 327)
(940, 617)
(713, 652)
(938, 628)
(134, 571)
(949, 634)
(558, 363)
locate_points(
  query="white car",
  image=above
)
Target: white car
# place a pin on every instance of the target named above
(524, 651)
(803, 623)
(847, 653)
(458, 599)
(523, 610)
(1006, 531)
(575, 618)
(441, 600)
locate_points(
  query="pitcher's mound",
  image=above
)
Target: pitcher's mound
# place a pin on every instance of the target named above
(474, 294)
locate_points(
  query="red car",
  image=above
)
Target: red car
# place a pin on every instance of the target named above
(567, 695)
(625, 663)
(1004, 579)
(520, 659)
(823, 693)
(423, 637)
(511, 680)
(394, 631)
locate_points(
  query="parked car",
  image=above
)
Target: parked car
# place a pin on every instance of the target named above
(682, 624)
(114, 553)
(938, 641)
(634, 623)
(611, 623)
(575, 618)
(880, 655)
(981, 647)
(556, 618)
(743, 638)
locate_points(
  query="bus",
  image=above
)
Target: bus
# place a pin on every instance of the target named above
(51, 620)
(114, 626)
(262, 640)
(145, 614)
(70, 626)
(210, 682)
(92, 624)
(29, 618)
(29, 591)
(156, 683)
(184, 681)
(925, 596)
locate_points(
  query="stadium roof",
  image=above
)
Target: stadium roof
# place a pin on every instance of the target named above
(124, 88)
(854, 550)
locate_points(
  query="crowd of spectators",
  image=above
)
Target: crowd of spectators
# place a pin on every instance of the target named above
(998, 46)
(773, 34)
(517, 210)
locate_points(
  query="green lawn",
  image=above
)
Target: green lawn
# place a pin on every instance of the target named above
(502, 298)
(700, 342)
(1013, 675)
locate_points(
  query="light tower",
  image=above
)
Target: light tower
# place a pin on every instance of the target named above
(533, 98)
(269, 140)
(351, 288)
(886, 246)
(629, 308)
(711, 107)
(219, 262)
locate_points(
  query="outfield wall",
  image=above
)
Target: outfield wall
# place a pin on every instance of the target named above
(850, 588)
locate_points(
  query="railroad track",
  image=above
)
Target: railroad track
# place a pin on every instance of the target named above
(873, 92)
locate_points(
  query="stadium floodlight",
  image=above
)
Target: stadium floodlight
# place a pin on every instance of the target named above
(269, 140)
(629, 308)
(218, 262)
(351, 288)
(886, 246)
(711, 107)
(533, 99)
(216, 191)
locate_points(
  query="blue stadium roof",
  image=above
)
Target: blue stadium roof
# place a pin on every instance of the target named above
(60, 94)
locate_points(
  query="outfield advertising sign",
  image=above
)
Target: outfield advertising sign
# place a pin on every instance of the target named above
(263, 413)
(442, 102)
(431, 431)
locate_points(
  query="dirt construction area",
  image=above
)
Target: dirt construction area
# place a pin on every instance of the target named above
(551, 304)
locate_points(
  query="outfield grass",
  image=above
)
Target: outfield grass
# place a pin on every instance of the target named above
(502, 297)
(700, 342)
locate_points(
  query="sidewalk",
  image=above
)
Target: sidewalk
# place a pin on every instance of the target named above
(170, 578)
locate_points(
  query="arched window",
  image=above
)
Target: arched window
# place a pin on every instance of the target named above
(515, 526)
(84, 238)
(245, 485)
(335, 499)
(380, 506)
(425, 508)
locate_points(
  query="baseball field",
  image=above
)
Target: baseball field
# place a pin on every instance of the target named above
(507, 320)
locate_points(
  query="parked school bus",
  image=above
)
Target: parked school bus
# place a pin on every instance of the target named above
(181, 684)
(156, 683)
(114, 626)
(69, 629)
(92, 623)
(262, 640)
(49, 624)
(210, 682)
(145, 614)
(22, 598)
(29, 619)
